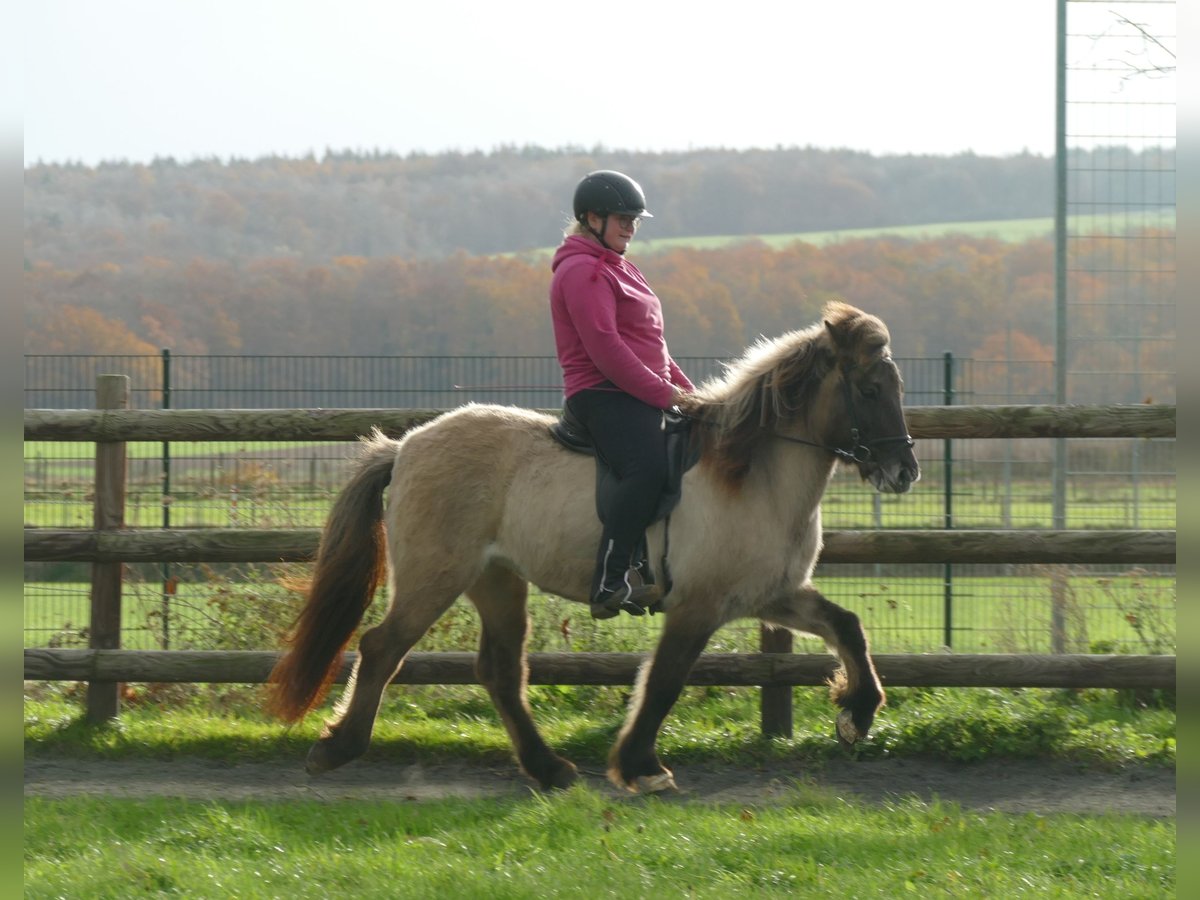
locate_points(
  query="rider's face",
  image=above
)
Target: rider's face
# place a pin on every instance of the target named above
(618, 230)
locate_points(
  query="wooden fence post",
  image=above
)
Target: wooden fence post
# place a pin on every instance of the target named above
(1059, 590)
(776, 699)
(104, 633)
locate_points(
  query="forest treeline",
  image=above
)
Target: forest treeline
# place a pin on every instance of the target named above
(387, 255)
(428, 206)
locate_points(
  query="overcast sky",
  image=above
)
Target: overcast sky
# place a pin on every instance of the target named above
(139, 79)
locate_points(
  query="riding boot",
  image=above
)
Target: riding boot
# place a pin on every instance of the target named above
(621, 588)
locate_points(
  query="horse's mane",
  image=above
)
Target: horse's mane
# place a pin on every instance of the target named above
(776, 380)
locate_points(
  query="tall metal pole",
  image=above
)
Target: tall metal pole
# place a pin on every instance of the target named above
(1060, 261)
(167, 585)
(1058, 583)
(948, 503)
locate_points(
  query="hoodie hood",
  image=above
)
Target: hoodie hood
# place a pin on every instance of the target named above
(577, 245)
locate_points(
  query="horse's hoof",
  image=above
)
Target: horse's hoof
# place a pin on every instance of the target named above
(847, 733)
(661, 783)
(321, 759)
(559, 778)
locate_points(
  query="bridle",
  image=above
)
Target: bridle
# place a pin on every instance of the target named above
(860, 450)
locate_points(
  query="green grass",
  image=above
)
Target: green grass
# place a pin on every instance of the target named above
(578, 844)
(1008, 230)
(708, 724)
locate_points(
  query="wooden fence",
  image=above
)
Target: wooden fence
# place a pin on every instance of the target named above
(108, 545)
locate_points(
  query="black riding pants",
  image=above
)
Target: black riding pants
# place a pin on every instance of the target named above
(628, 435)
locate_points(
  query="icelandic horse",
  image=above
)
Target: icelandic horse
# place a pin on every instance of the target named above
(482, 501)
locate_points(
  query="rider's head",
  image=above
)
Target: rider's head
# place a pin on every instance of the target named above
(605, 198)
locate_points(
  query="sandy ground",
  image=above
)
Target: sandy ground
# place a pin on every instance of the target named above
(1009, 786)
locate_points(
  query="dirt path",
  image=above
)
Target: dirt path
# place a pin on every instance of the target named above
(1016, 786)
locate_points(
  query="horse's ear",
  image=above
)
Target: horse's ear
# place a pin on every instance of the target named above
(839, 318)
(834, 333)
(854, 333)
(840, 346)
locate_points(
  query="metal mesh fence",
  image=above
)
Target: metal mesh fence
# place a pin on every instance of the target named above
(965, 483)
(1120, 141)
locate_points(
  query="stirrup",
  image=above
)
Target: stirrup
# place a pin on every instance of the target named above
(633, 600)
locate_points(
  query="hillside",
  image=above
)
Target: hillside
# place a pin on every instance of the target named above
(509, 200)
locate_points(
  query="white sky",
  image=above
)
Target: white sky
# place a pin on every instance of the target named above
(136, 79)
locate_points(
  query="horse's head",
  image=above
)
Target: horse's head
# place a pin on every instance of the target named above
(862, 401)
(832, 386)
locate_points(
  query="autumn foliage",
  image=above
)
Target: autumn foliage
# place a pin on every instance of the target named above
(350, 256)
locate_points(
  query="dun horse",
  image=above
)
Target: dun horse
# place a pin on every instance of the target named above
(482, 501)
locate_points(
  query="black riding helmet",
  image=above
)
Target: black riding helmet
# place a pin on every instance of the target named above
(608, 193)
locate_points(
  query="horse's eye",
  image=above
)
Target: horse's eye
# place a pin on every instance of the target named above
(869, 391)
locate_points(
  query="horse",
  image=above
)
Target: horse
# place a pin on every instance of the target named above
(482, 501)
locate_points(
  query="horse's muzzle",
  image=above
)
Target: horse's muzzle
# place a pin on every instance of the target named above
(895, 476)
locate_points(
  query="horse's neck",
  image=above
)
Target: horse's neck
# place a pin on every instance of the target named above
(793, 477)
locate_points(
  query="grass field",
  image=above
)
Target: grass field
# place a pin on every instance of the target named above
(708, 724)
(579, 843)
(1009, 230)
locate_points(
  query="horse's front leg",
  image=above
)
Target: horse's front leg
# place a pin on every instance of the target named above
(855, 686)
(633, 763)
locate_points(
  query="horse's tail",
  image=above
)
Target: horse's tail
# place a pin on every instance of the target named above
(351, 562)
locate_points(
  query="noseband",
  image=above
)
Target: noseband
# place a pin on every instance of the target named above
(860, 450)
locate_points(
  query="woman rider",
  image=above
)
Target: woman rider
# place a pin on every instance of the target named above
(618, 376)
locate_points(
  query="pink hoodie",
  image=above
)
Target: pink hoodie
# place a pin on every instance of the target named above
(608, 324)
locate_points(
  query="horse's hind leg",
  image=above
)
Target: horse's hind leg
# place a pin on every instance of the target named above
(381, 652)
(854, 687)
(500, 596)
(633, 763)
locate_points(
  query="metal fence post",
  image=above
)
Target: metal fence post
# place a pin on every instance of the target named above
(948, 503)
(1061, 164)
(104, 633)
(167, 585)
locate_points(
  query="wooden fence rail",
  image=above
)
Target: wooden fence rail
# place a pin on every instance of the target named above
(109, 545)
(748, 669)
(966, 546)
(1150, 420)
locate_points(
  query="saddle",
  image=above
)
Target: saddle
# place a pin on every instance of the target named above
(682, 454)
